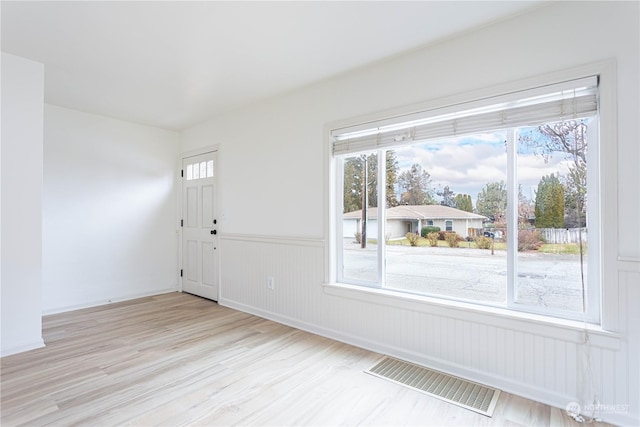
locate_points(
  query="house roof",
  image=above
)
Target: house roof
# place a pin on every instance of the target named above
(412, 212)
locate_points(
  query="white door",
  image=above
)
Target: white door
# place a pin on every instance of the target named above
(199, 226)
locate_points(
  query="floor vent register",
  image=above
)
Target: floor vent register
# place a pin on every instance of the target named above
(467, 394)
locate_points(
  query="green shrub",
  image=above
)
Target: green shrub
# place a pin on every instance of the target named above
(412, 238)
(428, 229)
(433, 239)
(483, 242)
(453, 239)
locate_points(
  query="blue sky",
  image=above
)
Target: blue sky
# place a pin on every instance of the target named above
(467, 163)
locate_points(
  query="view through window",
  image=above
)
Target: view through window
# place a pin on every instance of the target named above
(494, 217)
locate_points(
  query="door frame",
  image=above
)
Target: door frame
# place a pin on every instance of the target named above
(179, 207)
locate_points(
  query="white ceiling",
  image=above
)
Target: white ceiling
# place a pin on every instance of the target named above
(174, 64)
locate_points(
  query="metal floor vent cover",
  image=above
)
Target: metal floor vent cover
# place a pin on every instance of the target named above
(469, 395)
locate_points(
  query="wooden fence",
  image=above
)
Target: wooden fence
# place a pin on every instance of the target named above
(563, 235)
(549, 235)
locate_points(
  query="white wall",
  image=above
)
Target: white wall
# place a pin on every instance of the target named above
(22, 122)
(272, 156)
(109, 210)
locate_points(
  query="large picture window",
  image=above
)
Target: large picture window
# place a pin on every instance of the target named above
(493, 202)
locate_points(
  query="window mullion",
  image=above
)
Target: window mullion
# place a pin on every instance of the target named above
(594, 226)
(339, 210)
(512, 217)
(382, 203)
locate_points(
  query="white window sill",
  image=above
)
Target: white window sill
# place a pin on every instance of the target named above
(562, 329)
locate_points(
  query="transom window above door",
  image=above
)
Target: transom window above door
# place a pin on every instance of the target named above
(199, 170)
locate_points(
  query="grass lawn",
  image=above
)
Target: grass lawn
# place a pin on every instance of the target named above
(563, 248)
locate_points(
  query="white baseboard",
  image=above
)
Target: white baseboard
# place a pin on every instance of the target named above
(108, 301)
(22, 348)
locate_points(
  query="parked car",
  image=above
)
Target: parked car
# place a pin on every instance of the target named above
(494, 234)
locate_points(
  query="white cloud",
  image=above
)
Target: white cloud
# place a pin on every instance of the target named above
(466, 164)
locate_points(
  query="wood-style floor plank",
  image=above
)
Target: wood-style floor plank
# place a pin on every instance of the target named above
(176, 359)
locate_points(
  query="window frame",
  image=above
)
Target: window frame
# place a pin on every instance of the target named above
(604, 183)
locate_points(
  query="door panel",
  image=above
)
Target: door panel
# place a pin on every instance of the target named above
(199, 231)
(192, 207)
(207, 205)
(208, 277)
(192, 261)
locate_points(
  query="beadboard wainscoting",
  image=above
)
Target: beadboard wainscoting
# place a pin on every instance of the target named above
(295, 266)
(525, 355)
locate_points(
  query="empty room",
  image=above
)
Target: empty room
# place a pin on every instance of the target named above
(320, 213)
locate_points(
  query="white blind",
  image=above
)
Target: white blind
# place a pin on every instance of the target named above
(563, 101)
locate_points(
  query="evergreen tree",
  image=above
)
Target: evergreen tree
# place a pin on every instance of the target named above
(575, 195)
(352, 190)
(353, 176)
(463, 202)
(468, 204)
(492, 201)
(391, 179)
(549, 205)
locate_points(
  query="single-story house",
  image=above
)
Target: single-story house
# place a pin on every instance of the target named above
(411, 218)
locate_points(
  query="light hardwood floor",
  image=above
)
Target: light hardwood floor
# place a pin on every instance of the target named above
(176, 359)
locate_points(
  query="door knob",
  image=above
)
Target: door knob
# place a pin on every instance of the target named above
(214, 232)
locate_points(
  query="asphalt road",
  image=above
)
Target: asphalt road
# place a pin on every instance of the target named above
(548, 280)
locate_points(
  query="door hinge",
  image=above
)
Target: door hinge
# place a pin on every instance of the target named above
(182, 173)
(180, 272)
(182, 223)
